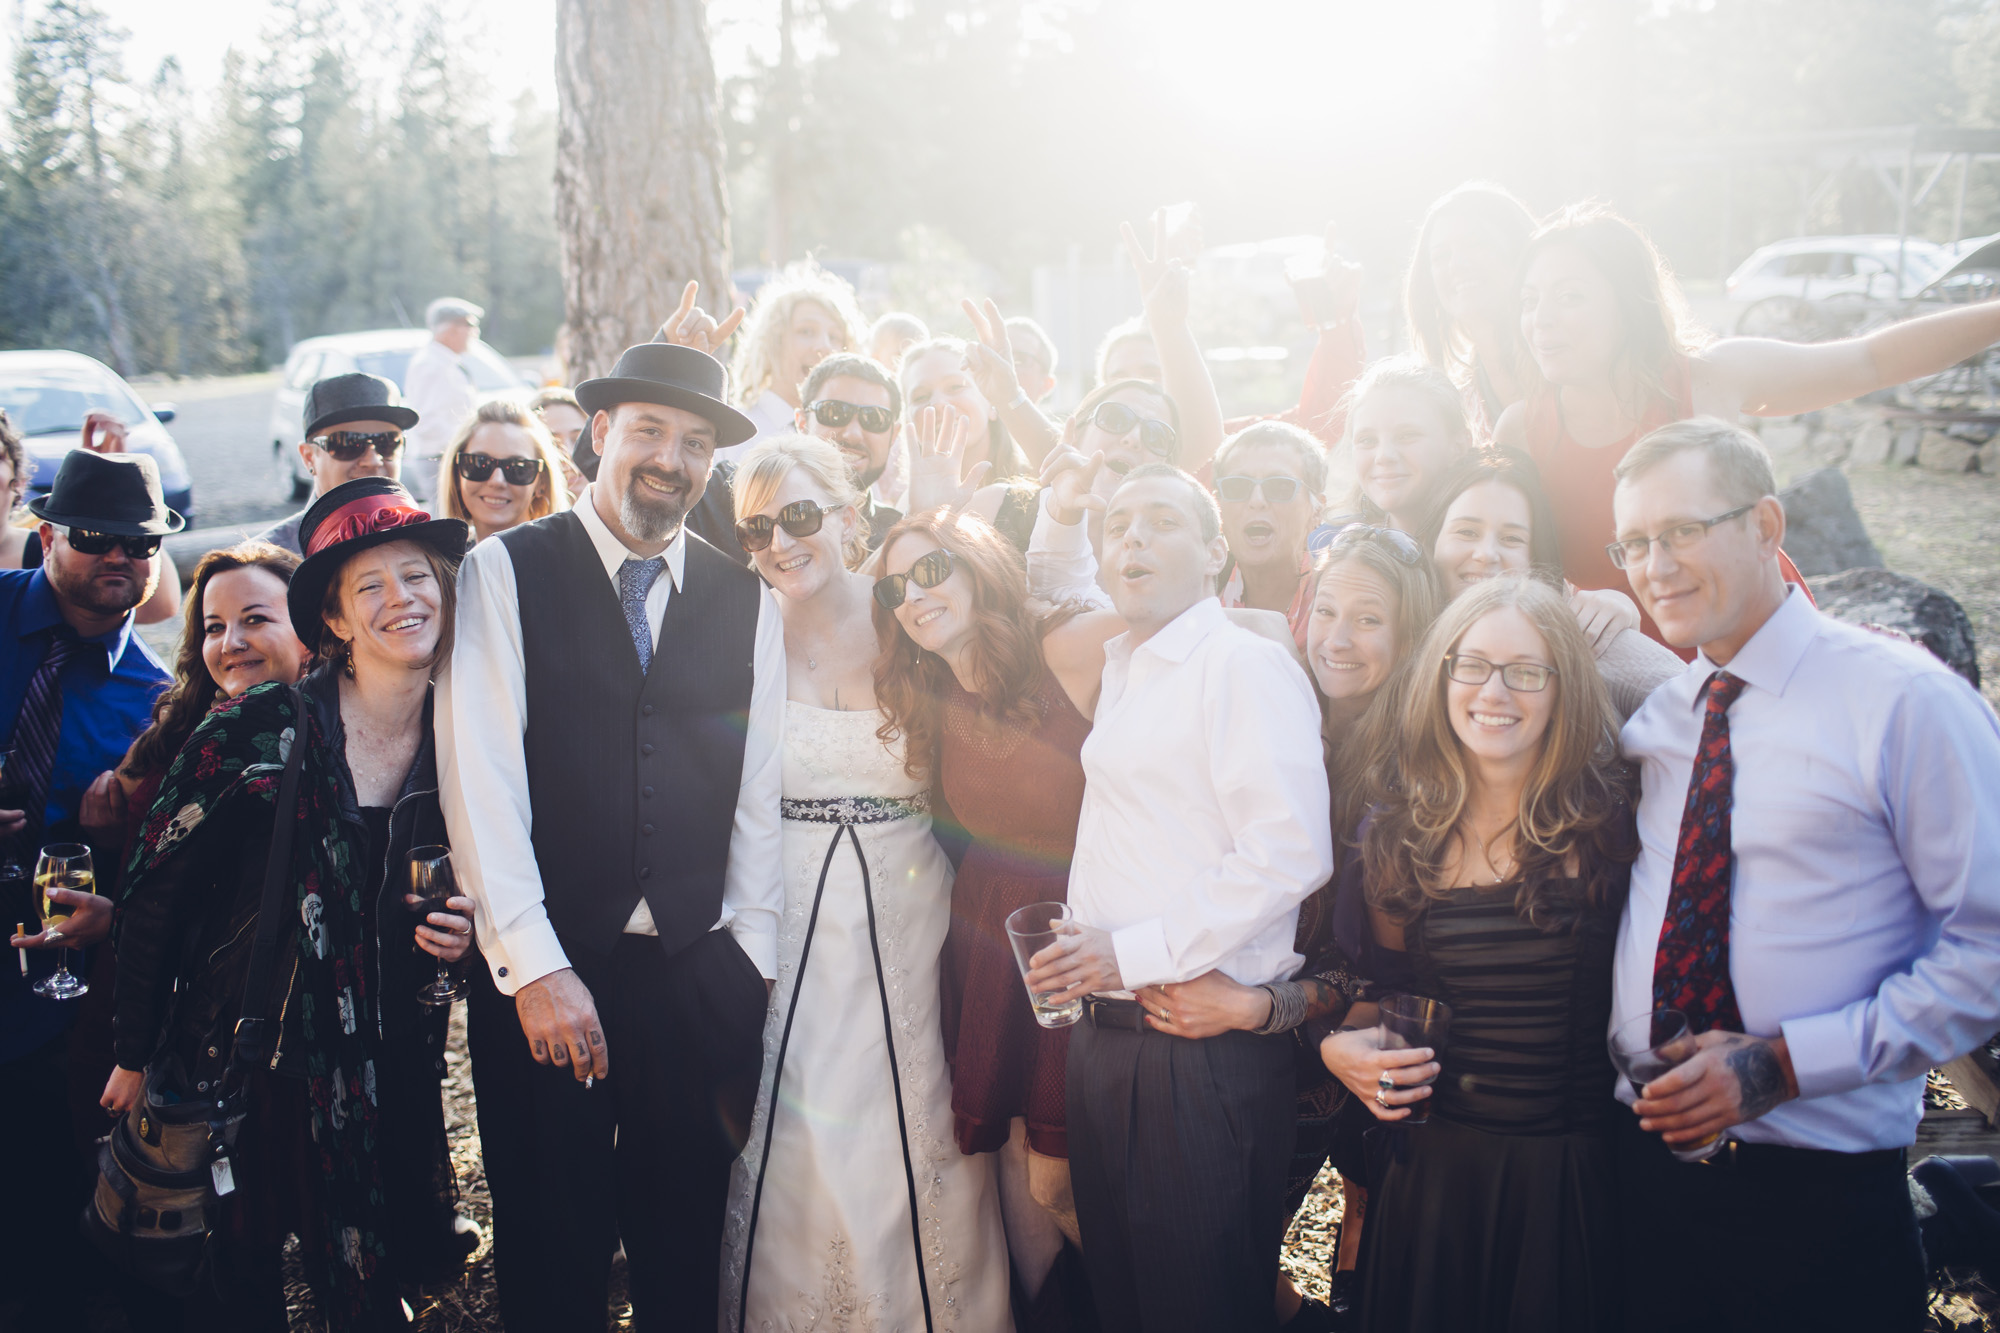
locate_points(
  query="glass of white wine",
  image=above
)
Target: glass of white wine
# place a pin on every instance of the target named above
(62, 865)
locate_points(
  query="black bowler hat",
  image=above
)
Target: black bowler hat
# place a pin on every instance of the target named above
(338, 399)
(114, 493)
(349, 519)
(673, 376)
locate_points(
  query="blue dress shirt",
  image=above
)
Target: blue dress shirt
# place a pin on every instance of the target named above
(1865, 908)
(107, 699)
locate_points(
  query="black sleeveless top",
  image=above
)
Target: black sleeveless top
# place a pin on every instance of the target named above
(1531, 1004)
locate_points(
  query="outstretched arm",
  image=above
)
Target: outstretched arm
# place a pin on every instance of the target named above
(1163, 284)
(1768, 378)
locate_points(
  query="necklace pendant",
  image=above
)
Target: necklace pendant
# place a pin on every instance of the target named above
(811, 665)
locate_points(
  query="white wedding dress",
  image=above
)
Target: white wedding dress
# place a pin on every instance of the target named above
(820, 1201)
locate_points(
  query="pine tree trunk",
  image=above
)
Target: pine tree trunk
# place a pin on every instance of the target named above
(641, 200)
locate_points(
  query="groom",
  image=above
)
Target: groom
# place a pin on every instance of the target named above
(608, 738)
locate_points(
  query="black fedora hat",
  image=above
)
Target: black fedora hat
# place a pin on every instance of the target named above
(673, 376)
(349, 519)
(115, 493)
(339, 399)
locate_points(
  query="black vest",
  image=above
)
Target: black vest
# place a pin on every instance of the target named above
(632, 779)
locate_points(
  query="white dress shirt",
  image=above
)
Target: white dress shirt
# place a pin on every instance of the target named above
(771, 415)
(439, 389)
(1204, 821)
(1865, 910)
(483, 778)
(1061, 565)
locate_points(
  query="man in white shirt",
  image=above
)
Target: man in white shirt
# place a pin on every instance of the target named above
(609, 765)
(438, 384)
(1203, 827)
(1819, 885)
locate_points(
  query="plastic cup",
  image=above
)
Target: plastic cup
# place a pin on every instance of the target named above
(1646, 1047)
(1410, 1021)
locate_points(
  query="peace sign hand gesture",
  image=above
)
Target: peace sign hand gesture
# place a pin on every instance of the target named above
(937, 453)
(691, 326)
(990, 359)
(1163, 275)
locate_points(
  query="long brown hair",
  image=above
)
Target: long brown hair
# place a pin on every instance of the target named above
(1442, 343)
(1578, 798)
(1006, 650)
(178, 711)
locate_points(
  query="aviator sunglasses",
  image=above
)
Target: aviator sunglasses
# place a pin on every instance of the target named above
(801, 518)
(348, 445)
(100, 543)
(832, 413)
(927, 572)
(1156, 437)
(517, 471)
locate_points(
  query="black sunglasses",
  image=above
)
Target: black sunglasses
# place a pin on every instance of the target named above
(1400, 545)
(1238, 490)
(1117, 419)
(348, 445)
(832, 413)
(517, 471)
(100, 543)
(801, 518)
(927, 572)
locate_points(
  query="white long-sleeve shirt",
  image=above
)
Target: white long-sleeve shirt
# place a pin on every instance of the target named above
(1204, 821)
(439, 389)
(481, 718)
(1864, 912)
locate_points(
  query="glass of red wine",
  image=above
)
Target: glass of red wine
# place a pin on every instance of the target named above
(13, 796)
(431, 885)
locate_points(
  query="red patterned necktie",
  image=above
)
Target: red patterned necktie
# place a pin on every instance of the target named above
(1691, 967)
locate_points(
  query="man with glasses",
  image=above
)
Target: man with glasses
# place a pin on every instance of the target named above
(76, 685)
(1815, 890)
(853, 404)
(355, 427)
(1202, 830)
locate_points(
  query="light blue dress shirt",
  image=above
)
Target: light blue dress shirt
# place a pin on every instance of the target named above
(1865, 910)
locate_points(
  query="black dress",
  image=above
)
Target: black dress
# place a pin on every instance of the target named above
(1499, 1214)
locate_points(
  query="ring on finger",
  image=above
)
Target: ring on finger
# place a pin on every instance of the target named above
(1386, 1083)
(1380, 1100)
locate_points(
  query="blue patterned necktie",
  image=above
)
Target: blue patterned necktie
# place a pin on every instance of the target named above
(635, 580)
(1691, 965)
(37, 729)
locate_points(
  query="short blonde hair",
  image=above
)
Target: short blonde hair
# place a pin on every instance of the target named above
(775, 457)
(551, 489)
(754, 368)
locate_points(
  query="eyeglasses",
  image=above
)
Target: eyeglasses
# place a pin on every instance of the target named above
(1237, 490)
(927, 572)
(1157, 437)
(1524, 677)
(1400, 545)
(801, 518)
(100, 543)
(517, 471)
(832, 413)
(348, 445)
(1680, 537)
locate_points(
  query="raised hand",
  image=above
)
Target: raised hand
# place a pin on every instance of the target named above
(1343, 278)
(938, 476)
(989, 359)
(1163, 276)
(1072, 482)
(1604, 614)
(691, 326)
(103, 433)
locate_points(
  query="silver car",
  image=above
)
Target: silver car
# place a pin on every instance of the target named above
(384, 352)
(47, 394)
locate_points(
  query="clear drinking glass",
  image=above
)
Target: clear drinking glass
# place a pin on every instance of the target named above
(1030, 930)
(431, 883)
(13, 796)
(1410, 1021)
(62, 865)
(1646, 1047)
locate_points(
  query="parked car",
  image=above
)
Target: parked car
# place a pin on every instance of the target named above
(47, 394)
(1811, 288)
(384, 352)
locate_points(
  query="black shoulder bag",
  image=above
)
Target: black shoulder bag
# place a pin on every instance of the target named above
(164, 1168)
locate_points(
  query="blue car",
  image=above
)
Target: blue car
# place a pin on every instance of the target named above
(46, 394)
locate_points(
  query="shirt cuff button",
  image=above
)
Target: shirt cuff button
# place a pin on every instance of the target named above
(503, 971)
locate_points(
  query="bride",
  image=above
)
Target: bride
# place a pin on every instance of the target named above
(851, 1207)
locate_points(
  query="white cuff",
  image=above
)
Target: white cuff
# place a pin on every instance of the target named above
(524, 955)
(1054, 537)
(1143, 957)
(1823, 1052)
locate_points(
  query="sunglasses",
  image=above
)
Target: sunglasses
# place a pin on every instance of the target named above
(1525, 677)
(100, 543)
(1157, 437)
(801, 518)
(1400, 545)
(928, 571)
(833, 414)
(517, 471)
(1238, 490)
(348, 445)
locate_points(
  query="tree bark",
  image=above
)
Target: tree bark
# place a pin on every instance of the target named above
(642, 204)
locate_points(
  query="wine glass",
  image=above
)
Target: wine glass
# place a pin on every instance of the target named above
(431, 883)
(13, 796)
(62, 865)
(1646, 1047)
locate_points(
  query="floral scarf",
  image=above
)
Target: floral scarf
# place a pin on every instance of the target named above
(238, 753)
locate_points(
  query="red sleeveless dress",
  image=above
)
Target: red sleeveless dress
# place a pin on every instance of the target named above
(1018, 792)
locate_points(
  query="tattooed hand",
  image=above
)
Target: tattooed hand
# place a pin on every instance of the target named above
(1731, 1078)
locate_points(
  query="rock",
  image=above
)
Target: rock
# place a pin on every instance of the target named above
(1873, 444)
(1896, 601)
(1904, 448)
(1989, 457)
(1823, 533)
(1940, 452)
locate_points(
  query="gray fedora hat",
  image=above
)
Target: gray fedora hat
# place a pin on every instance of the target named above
(339, 399)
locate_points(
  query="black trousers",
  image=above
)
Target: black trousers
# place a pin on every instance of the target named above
(1774, 1240)
(1178, 1151)
(642, 1157)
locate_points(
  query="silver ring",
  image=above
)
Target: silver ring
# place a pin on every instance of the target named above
(1380, 1100)
(1385, 1083)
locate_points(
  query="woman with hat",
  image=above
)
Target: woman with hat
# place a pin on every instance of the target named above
(344, 1142)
